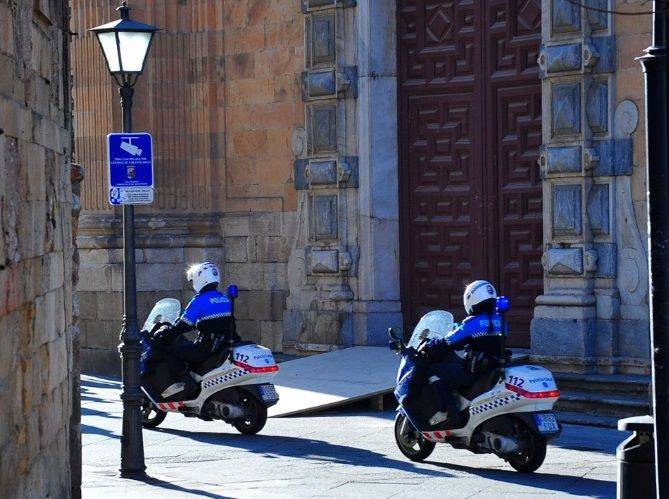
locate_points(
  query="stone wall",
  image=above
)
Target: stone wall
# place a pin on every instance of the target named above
(221, 97)
(39, 433)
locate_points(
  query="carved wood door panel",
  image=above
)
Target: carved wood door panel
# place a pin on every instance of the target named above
(470, 129)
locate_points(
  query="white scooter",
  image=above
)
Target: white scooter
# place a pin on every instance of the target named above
(507, 411)
(233, 385)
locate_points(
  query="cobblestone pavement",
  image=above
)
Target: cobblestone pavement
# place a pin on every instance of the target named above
(335, 454)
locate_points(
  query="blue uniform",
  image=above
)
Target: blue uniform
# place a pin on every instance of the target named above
(475, 331)
(210, 312)
(480, 333)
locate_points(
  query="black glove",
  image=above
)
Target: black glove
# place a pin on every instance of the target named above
(161, 333)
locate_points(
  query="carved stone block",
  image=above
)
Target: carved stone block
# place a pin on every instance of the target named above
(563, 261)
(322, 128)
(324, 217)
(565, 17)
(567, 210)
(565, 159)
(598, 19)
(598, 209)
(322, 261)
(320, 37)
(606, 259)
(566, 108)
(330, 83)
(565, 57)
(615, 157)
(597, 107)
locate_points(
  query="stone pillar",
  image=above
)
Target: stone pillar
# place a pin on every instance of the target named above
(591, 239)
(343, 270)
(323, 265)
(379, 305)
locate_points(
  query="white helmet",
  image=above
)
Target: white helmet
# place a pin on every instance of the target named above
(477, 292)
(202, 274)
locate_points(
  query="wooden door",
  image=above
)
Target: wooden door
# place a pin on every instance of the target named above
(470, 130)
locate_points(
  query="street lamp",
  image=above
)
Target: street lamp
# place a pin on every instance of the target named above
(656, 70)
(125, 44)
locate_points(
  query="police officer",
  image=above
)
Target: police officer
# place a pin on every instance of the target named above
(480, 333)
(210, 312)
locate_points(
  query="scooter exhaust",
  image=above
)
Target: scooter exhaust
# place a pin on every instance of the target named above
(228, 411)
(500, 444)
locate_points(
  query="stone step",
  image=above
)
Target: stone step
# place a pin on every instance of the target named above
(603, 403)
(614, 384)
(584, 419)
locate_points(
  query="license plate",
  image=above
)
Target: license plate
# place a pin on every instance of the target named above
(546, 423)
(268, 392)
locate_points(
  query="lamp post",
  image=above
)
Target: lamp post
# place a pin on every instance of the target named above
(657, 165)
(125, 44)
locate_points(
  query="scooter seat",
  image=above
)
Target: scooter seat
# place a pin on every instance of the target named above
(210, 363)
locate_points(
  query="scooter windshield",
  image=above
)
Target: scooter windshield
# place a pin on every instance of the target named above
(165, 310)
(435, 324)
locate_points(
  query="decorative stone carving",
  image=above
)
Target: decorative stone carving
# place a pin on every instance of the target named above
(322, 128)
(590, 56)
(298, 141)
(341, 292)
(597, 106)
(330, 83)
(565, 159)
(625, 119)
(567, 210)
(322, 261)
(598, 209)
(316, 173)
(324, 217)
(565, 17)
(590, 260)
(632, 259)
(566, 108)
(559, 58)
(606, 259)
(590, 158)
(320, 39)
(563, 261)
(615, 157)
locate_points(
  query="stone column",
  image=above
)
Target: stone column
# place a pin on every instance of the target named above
(344, 268)
(586, 164)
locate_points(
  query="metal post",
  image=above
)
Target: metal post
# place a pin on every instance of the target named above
(657, 137)
(132, 445)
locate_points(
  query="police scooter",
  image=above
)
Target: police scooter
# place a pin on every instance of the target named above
(507, 411)
(233, 385)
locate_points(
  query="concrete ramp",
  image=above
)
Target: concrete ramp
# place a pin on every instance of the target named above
(334, 378)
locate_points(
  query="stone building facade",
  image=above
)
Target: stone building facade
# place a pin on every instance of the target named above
(353, 163)
(40, 446)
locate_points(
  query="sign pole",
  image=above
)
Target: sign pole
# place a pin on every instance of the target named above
(132, 445)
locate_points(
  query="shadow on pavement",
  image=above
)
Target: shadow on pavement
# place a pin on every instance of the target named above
(303, 448)
(157, 482)
(575, 485)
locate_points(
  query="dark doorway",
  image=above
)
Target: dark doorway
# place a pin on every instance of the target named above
(470, 131)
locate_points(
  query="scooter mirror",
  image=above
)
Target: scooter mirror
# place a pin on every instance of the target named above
(393, 333)
(233, 291)
(503, 304)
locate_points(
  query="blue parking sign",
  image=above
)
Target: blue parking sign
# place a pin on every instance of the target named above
(130, 159)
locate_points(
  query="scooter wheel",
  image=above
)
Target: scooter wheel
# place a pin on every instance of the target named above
(532, 455)
(256, 416)
(151, 416)
(410, 442)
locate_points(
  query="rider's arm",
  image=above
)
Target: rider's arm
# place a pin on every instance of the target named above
(183, 324)
(455, 340)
